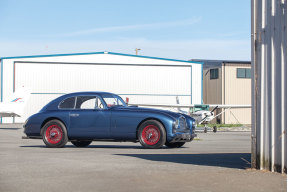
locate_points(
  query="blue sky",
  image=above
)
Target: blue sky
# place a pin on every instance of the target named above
(178, 29)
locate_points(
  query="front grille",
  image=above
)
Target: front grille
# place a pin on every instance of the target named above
(182, 123)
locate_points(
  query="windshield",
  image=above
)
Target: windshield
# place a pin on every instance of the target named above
(113, 100)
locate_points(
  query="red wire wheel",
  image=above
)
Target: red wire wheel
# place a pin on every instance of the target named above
(54, 134)
(152, 134)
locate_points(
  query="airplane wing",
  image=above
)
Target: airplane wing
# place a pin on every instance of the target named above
(14, 105)
(8, 114)
(162, 105)
(229, 106)
(191, 105)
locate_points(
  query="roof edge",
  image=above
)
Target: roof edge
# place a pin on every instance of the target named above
(221, 61)
(52, 55)
(104, 52)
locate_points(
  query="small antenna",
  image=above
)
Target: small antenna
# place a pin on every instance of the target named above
(137, 50)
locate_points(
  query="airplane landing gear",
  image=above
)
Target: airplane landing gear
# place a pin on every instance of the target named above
(214, 129)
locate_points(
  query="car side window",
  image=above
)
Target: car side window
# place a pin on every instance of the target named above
(88, 102)
(113, 101)
(68, 103)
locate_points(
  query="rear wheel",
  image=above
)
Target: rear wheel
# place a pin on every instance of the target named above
(54, 134)
(174, 145)
(152, 134)
(81, 143)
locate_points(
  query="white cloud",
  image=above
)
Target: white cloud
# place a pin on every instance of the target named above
(188, 49)
(133, 27)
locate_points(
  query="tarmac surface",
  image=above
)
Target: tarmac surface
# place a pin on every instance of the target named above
(212, 162)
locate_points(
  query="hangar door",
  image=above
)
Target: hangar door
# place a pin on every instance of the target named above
(141, 83)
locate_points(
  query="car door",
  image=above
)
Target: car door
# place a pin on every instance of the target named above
(124, 124)
(90, 119)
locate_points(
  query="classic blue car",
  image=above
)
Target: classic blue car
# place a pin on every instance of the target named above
(84, 117)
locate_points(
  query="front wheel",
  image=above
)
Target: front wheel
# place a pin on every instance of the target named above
(81, 143)
(152, 134)
(174, 145)
(54, 134)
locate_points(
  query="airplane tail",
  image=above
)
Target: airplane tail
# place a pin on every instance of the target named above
(14, 105)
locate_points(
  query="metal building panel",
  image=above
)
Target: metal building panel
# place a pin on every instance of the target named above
(197, 89)
(237, 91)
(212, 88)
(269, 82)
(148, 84)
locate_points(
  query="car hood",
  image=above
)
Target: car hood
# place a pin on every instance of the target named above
(150, 110)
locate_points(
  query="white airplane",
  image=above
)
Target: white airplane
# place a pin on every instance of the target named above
(14, 105)
(200, 116)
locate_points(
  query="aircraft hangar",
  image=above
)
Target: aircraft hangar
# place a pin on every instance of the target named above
(140, 78)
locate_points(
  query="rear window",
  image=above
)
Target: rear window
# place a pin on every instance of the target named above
(68, 103)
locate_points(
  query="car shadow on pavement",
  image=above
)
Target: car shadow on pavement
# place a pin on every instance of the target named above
(10, 128)
(227, 160)
(90, 146)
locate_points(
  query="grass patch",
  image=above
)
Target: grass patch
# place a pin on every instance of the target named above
(221, 125)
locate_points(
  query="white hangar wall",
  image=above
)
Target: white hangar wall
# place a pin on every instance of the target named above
(142, 79)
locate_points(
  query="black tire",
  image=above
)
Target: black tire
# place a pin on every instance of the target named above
(81, 143)
(151, 134)
(174, 145)
(214, 129)
(54, 134)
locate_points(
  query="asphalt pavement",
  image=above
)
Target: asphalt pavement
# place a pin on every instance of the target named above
(212, 162)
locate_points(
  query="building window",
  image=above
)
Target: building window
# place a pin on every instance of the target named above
(243, 73)
(214, 73)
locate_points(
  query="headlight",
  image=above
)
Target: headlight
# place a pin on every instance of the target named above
(176, 124)
(193, 123)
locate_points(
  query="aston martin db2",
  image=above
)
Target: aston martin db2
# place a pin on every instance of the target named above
(84, 117)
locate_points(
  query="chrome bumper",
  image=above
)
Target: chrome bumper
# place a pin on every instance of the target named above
(183, 137)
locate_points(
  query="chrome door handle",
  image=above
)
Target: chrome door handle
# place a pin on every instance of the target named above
(74, 115)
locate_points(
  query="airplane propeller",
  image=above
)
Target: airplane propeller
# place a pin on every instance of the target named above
(210, 112)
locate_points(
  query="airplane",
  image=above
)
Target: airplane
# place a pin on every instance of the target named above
(199, 112)
(14, 105)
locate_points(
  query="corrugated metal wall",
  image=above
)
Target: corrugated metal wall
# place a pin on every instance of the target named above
(212, 88)
(269, 43)
(236, 91)
(119, 79)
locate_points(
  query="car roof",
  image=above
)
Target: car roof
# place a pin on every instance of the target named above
(87, 93)
(53, 105)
